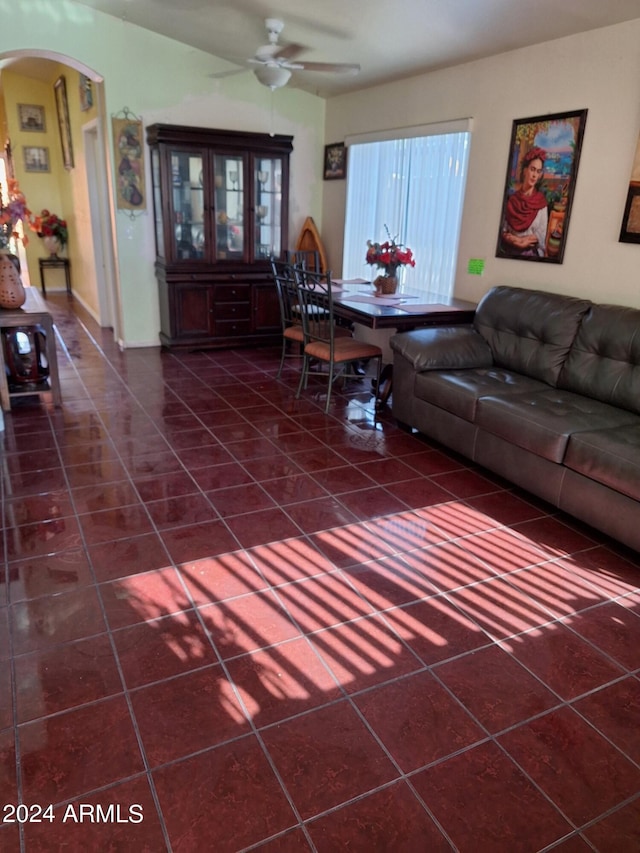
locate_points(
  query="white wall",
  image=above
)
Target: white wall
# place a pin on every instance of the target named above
(599, 71)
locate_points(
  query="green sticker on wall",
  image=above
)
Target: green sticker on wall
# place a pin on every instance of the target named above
(475, 266)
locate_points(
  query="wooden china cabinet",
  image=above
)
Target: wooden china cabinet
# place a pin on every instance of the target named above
(221, 207)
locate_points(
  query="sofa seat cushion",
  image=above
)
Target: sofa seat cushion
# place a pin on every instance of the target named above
(609, 456)
(458, 391)
(543, 421)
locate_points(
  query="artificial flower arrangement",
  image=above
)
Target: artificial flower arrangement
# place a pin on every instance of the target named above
(52, 226)
(390, 255)
(13, 211)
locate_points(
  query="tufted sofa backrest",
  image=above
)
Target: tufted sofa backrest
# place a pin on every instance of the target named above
(530, 331)
(604, 360)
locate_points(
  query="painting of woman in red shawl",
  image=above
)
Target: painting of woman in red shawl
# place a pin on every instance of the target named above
(524, 229)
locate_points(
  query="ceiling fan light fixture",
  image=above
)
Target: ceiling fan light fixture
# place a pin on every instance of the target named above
(273, 77)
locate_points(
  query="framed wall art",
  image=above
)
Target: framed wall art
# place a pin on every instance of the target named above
(630, 230)
(62, 108)
(86, 92)
(129, 158)
(36, 158)
(335, 161)
(544, 153)
(31, 118)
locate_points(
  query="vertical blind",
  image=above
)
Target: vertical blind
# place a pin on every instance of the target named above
(414, 187)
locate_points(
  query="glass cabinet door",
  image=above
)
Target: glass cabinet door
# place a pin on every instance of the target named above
(268, 209)
(187, 180)
(229, 206)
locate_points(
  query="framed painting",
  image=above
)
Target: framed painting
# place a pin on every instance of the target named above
(544, 154)
(630, 229)
(335, 161)
(31, 118)
(36, 158)
(129, 158)
(62, 108)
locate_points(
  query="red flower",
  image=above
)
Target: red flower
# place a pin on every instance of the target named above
(389, 255)
(52, 226)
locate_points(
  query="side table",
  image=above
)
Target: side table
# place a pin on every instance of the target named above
(53, 263)
(33, 313)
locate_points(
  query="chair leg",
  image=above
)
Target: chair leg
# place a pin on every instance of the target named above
(376, 399)
(282, 357)
(329, 387)
(303, 375)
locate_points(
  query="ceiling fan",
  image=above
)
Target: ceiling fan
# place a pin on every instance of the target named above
(275, 62)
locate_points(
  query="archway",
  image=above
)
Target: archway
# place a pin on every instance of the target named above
(100, 249)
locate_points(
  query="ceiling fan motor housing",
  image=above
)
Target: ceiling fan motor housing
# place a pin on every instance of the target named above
(274, 28)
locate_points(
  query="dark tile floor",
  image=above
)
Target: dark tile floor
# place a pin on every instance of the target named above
(260, 627)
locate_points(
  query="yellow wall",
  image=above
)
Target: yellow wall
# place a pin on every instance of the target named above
(60, 191)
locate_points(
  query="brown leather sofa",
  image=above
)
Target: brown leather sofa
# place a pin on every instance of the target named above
(543, 390)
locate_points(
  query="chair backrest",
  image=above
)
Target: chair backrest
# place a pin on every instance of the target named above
(315, 302)
(308, 258)
(286, 279)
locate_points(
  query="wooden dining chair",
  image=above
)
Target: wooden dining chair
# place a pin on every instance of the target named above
(324, 342)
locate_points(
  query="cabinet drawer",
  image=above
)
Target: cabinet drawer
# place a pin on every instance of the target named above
(233, 292)
(232, 310)
(232, 328)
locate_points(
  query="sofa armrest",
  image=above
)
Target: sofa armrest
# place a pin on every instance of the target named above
(442, 348)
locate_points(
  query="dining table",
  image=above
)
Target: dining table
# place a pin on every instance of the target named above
(356, 301)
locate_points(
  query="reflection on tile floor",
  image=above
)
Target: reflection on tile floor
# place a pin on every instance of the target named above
(264, 628)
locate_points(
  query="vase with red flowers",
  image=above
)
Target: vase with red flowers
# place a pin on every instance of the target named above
(54, 232)
(388, 256)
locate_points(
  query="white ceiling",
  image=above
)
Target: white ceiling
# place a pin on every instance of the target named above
(390, 39)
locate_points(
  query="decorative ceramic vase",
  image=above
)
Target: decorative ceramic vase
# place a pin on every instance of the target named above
(12, 293)
(52, 245)
(553, 243)
(385, 285)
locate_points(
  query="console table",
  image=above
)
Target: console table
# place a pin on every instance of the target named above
(33, 313)
(53, 263)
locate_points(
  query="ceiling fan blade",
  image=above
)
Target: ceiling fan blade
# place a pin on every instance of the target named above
(221, 75)
(289, 51)
(336, 67)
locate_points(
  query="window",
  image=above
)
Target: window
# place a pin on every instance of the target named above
(414, 186)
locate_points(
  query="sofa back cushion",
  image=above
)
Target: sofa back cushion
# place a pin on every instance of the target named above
(604, 361)
(529, 331)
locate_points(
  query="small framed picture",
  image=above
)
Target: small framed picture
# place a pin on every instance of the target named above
(36, 159)
(86, 93)
(31, 117)
(335, 161)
